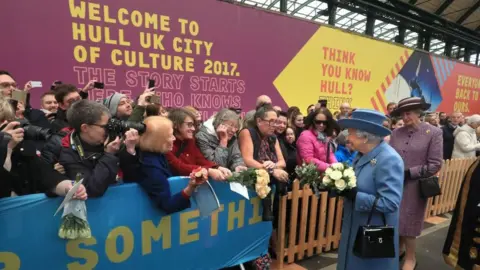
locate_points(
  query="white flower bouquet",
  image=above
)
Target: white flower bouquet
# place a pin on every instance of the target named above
(309, 174)
(339, 177)
(74, 218)
(257, 179)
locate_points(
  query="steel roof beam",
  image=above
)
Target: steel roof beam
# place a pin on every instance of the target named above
(443, 7)
(468, 12)
(273, 4)
(302, 5)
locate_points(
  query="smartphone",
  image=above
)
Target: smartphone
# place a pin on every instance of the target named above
(99, 85)
(151, 83)
(36, 84)
(323, 103)
(14, 104)
(19, 95)
(55, 83)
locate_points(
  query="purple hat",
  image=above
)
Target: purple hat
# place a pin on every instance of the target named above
(410, 104)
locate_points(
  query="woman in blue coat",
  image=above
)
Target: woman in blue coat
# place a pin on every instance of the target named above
(379, 172)
(152, 171)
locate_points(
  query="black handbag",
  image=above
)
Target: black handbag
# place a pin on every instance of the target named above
(429, 186)
(375, 241)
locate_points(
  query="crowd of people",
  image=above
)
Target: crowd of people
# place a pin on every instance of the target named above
(121, 140)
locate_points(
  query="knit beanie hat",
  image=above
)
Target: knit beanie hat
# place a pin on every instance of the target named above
(112, 102)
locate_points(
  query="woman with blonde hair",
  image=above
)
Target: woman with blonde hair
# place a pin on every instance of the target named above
(154, 171)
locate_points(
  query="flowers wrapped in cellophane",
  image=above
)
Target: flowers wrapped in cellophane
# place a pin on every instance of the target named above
(257, 179)
(74, 218)
(309, 174)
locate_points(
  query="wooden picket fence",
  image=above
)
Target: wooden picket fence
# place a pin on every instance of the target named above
(450, 179)
(314, 224)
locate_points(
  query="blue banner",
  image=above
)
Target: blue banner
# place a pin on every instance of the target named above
(130, 233)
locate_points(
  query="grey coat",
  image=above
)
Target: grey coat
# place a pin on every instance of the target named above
(228, 157)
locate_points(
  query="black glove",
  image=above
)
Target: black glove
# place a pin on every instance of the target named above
(349, 193)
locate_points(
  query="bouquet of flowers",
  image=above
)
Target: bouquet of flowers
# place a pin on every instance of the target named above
(74, 219)
(257, 179)
(308, 174)
(339, 177)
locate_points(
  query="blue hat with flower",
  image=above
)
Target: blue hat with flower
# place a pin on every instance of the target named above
(366, 120)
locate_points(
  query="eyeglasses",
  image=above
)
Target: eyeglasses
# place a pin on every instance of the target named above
(8, 85)
(190, 124)
(323, 122)
(271, 122)
(230, 126)
(102, 126)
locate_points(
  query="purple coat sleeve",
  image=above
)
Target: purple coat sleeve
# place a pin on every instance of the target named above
(434, 157)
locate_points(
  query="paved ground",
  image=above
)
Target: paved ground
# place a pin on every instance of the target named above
(429, 250)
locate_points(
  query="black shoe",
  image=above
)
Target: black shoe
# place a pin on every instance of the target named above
(267, 214)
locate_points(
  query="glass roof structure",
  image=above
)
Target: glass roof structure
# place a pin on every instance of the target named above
(317, 10)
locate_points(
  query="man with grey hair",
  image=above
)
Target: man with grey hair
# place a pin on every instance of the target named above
(261, 101)
(448, 138)
(466, 142)
(218, 142)
(87, 150)
(344, 110)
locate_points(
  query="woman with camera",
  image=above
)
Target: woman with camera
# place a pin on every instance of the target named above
(91, 151)
(22, 171)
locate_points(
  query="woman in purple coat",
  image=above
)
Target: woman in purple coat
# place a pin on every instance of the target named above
(420, 145)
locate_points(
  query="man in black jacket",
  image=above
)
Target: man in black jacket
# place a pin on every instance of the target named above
(448, 138)
(65, 95)
(22, 172)
(86, 151)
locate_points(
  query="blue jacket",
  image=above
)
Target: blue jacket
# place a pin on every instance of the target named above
(152, 176)
(344, 155)
(379, 173)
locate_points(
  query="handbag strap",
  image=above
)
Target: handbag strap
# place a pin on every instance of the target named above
(328, 152)
(180, 149)
(373, 210)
